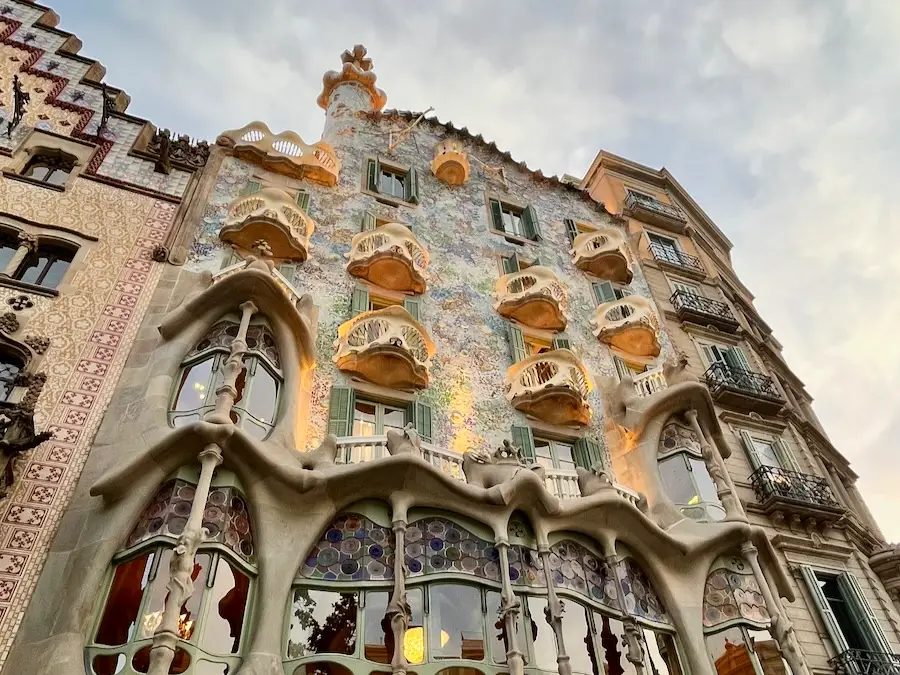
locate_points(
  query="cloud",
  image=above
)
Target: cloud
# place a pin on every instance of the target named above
(779, 116)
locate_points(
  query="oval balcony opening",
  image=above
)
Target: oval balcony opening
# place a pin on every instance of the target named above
(552, 387)
(271, 215)
(389, 256)
(386, 347)
(628, 324)
(533, 297)
(602, 254)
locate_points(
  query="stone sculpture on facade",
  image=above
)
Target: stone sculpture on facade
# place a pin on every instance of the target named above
(488, 469)
(17, 435)
(404, 442)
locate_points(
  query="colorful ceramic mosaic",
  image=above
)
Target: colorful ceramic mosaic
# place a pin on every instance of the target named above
(259, 339)
(436, 545)
(226, 517)
(575, 568)
(731, 593)
(352, 549)
(641, 599)
(526, 567)
(676, 436)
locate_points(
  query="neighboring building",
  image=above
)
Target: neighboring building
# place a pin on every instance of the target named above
(296, 470)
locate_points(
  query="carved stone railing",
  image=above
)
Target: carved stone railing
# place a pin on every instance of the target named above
(703, 310)
(603, 254)
(450, 163)
(283, 153)
(649, 382)
(652, 210)
(629, 324)
(389, 256)
(387, 347)
(272, 216)
(863, 662)
(672, 256)
(743, 388)
(534, 297)
(552, 386)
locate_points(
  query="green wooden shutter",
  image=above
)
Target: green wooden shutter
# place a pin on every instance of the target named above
(340, 411)
(414, 307)
(511, 264)
(368, 222)
(622, 292)
(250, 187)
(496, 215)
(587, 452)
(604, 292)
(516, 343)
(530, 223)
(420, 415)
(750, 449)
(786, 457)
(359, 301)
(862, 613)
(373, 175)
(736, 358)
(412, 186)
(303, 200)
(571, 229)
(561, 341)
(522, 438)
(821, 602)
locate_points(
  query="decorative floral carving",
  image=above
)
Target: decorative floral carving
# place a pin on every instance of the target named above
(20, 302)
(38, 343)
(9, 322)
(26, 239)
(182, 152)
(17, 435)
(159, 254)
(35, 383)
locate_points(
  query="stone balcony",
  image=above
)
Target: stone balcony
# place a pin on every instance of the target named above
(739, 388)
(552, 387)
(649, 382)
(269, 215)
(653, 211)
(704, 311)
(389, 256)
(283, 153)
(450, 163)
(791, 496)
(386, 347)
(678, 260)
(629, 324)
(533, 297)
(602, 254)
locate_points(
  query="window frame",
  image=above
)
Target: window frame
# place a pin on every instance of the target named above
(688, 287)
(527, 218)
(41, 142)
(373, 170)
(52, 248)
(748, 641)
(554, 457)
(380, 409)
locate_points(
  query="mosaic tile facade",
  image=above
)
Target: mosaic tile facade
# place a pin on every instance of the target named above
(641, 599)
(575, 568)
(352, 549)
(731, 593)
(436, 545)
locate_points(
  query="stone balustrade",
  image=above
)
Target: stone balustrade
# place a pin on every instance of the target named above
(649, 382)
(270, 215)
(629, 324)
(533, 297)
(602, 253)
(389, 256)
(552, 386)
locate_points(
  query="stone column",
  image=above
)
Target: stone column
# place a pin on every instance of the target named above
(717, 471)
(782, 628)
(181, 567)
(27, 243)
(509, 612)
(227, 392)
(398, 608)
(554, 611)
(633, 651)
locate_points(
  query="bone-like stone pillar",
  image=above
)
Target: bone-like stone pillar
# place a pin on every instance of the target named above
(227, 392)
(717, 471)
(509, 612)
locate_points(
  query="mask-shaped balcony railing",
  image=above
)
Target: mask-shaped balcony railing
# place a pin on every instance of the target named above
(552, 386)
(734, 386)
(864, 662)
(628, 324)
(603, 254)
(649, 382)
(389, 256)
(703, 310)
(269, 215)
(387, 347)
(450, 163)
(652, 210)
(672, 256)
(534, 297)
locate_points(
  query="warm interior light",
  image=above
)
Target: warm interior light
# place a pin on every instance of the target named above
(414, 644)
(152, 620)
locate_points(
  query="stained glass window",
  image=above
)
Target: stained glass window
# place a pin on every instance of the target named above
(641, 599)
(731, 592)
(353, 549)
(436, 545)
(573, 567)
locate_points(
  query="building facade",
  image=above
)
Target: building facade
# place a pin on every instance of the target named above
(395, 402)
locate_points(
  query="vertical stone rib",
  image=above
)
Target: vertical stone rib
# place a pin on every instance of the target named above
(555, 610)
(227, 392)
(717, 471)
(633, 651)
(398, 609)
(181, 585)
(509, 611)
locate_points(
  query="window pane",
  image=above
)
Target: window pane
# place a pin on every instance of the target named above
(394, 418)
(765, 451)
(768, 653)
(729, 653)
(263, 395)
(195, 385)
(578, 639)
(8, 248)
(703, 480)
(124, 601)
(542, 638)
(322, 622)
(842, 614)
(225, 611)
(662, 652)
(676, 480)
(8, 373)
(414, 641)
(497, 636)
(543, 453)
(55, 273)
(455, 623)
(613, 643)
(36, 170)
(31, 268)
(157, 597)
(564, 456)
(379, 644)
(364, 418)
(57, 177)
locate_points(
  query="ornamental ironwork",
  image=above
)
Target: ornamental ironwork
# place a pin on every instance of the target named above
(20, 106)
(642, 201)
(863, 662)
(722, 376)
(774, 482)
(181, 152)
(684, 301)
(673, 256)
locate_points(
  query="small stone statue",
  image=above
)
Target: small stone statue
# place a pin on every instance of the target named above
(404, 442)
(17, 427)
(323, 456)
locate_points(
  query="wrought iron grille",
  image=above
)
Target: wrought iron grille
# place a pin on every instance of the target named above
(673, 256)
(773, 481)
(635, 199)
(862, 662)
(682, 300)
(721, 375)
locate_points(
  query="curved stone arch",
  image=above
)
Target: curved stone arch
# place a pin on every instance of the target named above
(445, 542)
(731, 595)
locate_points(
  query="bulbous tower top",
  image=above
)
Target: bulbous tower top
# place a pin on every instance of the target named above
(357, 72)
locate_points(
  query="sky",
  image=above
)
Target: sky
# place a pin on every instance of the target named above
(780, 117)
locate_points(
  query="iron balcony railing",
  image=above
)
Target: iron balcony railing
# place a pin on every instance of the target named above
(722, 376)
(635, 200)
(863, 662)
(684, 301)
(775, 482)
(673, 256)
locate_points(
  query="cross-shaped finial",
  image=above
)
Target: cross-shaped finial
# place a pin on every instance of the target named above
(357, 57)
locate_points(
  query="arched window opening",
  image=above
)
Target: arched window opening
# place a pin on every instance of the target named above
(684, 475)
(10, 367)
(50, 166)
(258, 383)
(46, 265)
(212, 621)
(9, 244)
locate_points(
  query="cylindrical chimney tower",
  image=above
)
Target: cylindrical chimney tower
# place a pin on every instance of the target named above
(347, 92)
